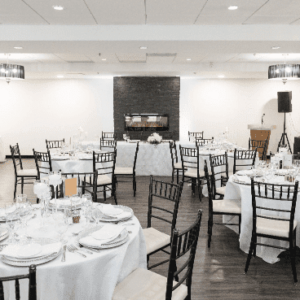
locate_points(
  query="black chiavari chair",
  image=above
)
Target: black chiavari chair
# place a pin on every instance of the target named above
(86, 182)
(163, 203)
(32, 292)
(176, 165)
(104, 166)
(108, 136)
(43, 162)
(141, 283)
(109, 145)
(268, 201)
(259, 144)
(191, 169)
(54, 144)
(121, 172)
(203, 142)
(244, 159)
(21, 175)
(220, 207)
(195, 135)
(219, 173)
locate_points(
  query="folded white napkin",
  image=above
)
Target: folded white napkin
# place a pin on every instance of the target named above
(242, 179)
(111, 210)
(245, 172)
(93, 242)
(13, 250)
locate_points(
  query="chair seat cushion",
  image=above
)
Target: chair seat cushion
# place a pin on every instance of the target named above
(123, 171)
(27, 172)
(273, 227)
(103, 180)
(221, 190)
(178, 165)
(142, 284)
(227, 206)
(155, 239)
(193, 173)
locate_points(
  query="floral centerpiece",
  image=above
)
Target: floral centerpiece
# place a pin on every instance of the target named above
(154, 139)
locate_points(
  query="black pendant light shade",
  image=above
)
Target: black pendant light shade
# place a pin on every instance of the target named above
(284, 72)
(11, 72)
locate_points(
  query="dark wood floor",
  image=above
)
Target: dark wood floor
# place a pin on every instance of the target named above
(218, 271)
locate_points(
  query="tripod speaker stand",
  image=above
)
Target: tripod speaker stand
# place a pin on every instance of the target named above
(284, 106)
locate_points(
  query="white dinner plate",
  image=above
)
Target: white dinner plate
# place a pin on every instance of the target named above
(30, 250)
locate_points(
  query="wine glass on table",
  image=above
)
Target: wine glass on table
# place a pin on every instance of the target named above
(11, 218)
(96, 215)
(55, 180)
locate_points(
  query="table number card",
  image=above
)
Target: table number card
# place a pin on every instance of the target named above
(70, 187)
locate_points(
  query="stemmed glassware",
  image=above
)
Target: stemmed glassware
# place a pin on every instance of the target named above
(11, 217)
(96, 215)
(55, 180)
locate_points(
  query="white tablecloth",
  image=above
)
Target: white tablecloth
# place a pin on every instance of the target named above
(243, 192)
(91, 278)
(2, 152)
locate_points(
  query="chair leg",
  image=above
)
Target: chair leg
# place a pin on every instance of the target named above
(240, 217)
(173, 175)
(209, 231)
(177, 171)
(15, 191)
(200, 190)
(252, 247)
(293, 259)
(134, 186)
(22, 185)
(193, 186)
(104, 193)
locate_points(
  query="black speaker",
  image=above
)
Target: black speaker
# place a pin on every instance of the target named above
(296, 144)
(284, 102)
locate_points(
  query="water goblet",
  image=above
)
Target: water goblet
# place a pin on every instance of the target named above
(55, 180)
(96, 215)
(11, 217)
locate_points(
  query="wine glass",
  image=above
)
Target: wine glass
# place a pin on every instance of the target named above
(55, 180)
(96, 215)
(11, 216)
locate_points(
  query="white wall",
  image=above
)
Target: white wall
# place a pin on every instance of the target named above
(34, 110)
(213, 105)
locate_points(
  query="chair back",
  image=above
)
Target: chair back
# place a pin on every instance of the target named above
(16, 157)
(164, 197)
(183, 252)
(43, 162)
(219, 169)
(190, 159)
(259, 144)
(32, 295)
(108, 135)
(194, 135)
(209, 190)
(108, 144)
(54, 144)
(202, 142)
(85, 180)
(104, 164)
(244, 159)
(265, 202)
(173, 151)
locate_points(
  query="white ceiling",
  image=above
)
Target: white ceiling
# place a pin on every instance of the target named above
(91, 38)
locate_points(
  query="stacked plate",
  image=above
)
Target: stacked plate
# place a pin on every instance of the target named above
(103, 237)
(3, 234)
(37, 252)
(115, 213)
(66, 203)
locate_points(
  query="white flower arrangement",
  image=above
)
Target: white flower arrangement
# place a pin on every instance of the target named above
(154, 138)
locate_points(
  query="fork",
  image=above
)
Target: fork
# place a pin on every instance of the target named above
(72, 249)
(86, 250)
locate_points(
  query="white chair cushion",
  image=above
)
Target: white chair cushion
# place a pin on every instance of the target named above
(226, 206)
(221, 190)
(142, 284)
(273, 227)
(193, 173)
(27, 172)
(103, 179)
(123, 171)
(155, 239)
(178, 165)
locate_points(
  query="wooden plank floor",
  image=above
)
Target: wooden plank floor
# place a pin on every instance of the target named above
(219, 271)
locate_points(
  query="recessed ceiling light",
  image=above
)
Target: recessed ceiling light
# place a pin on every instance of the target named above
(233, 7)
(104, 59)
(60, 76)
(143, 47)
(188, 59)
(275, 47)
(58, 7)
(18, 47)
(221, 76)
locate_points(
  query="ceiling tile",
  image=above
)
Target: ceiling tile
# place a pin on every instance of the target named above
(160, 58)
(75, 12)
(131, 57)
(220, 57)
(181, 58)
(217, 12)
(173, 11)
(73, 57)
(117, 11)
(111, 58)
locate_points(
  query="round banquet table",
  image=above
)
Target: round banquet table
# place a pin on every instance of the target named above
(78, 278)
(242, 193)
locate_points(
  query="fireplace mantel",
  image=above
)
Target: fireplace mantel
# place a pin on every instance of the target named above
(146, 122)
